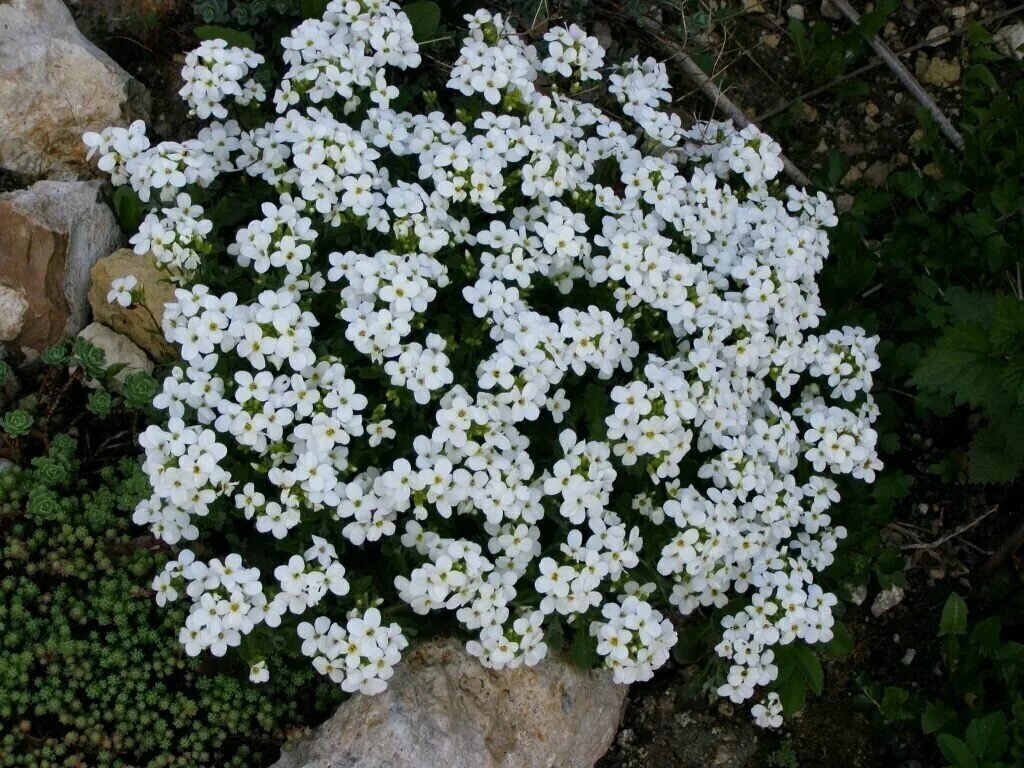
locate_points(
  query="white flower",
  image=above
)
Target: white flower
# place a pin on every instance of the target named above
(259, 672)
(121, 290)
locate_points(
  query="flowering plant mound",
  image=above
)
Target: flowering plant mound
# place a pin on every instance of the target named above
(516, 361)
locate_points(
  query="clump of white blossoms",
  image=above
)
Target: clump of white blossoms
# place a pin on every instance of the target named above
(519, 363)
(215, 72)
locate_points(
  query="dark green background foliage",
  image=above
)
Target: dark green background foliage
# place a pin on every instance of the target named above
(942, 253)
(931, 262)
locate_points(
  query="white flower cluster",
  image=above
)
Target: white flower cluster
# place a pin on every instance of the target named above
(216, 71)
(176, 238)
(547, 375)
(359, 656)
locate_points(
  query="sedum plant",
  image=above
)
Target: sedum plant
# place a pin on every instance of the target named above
(90, 671)
(502, 352)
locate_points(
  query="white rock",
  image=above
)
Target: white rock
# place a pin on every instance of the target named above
(829, 11)
(118, 349)
(796, 12)
(937, 36)
(887, 600)
(1010, 40)
(54, 86)
(13, 307)
(443, 710)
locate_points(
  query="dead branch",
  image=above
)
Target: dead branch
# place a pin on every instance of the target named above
(959, 531)
(907, 80)
(713, 92)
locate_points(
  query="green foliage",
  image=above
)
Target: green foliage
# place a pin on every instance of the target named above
(785, 756)
(954, 616)
(424, 15)
(976, 717)
(230, 36)
(245, 13)
(934, 260)
(90, 670)
(128, 208)
(800, 671)
(139, 389)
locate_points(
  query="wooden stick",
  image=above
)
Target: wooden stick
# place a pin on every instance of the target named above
(905, 77)
(952, 535)
(713, 92)
(939, 39)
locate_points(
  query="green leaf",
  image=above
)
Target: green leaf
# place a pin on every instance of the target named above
(954, 616)
(810, 668)
(584, 649)
(99, 403)
(425, 16)
(234, 37)
(893, 705)
(986, 736)
(841, 643)
(128, 209)
(313, 9)
(970, 307)
(793, 694)
(985, 635)
(230, 210)
(692, 645)
(936, 716)
(956, 751)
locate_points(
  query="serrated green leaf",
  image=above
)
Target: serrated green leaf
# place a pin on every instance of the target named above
(1008, 324)
(233, 37)
(996, 454)
(954, 616)
(971, 307)
(962, 365)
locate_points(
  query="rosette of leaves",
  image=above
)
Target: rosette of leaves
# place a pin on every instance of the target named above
(90, 671)
(99, 403)
(16, 423)
(138, 390)
(248, 13)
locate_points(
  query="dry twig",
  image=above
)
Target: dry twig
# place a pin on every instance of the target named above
(713, 92)
(960, 530)
(905, 77)
(938, 39)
